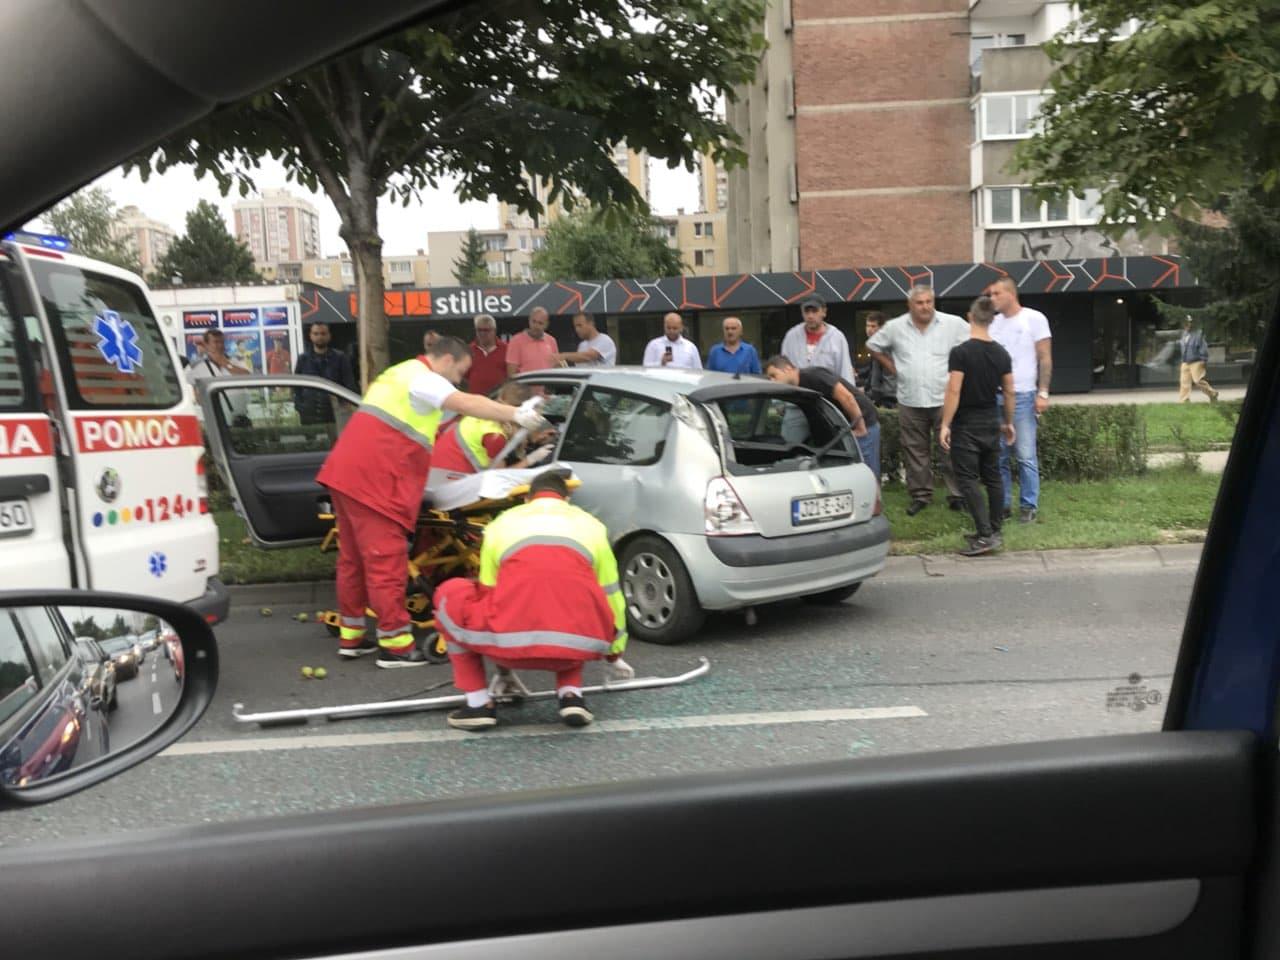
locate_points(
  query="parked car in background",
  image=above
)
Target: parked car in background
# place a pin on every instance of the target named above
(100, 673)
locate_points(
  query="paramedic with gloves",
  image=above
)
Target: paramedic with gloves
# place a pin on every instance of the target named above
(376, 472)
(468, 445)
(511, 617)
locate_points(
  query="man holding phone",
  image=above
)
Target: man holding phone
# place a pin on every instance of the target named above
(672, 349)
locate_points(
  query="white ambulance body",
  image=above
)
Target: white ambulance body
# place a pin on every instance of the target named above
(102, 481)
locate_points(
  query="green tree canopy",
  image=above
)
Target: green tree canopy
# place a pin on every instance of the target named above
(606, 245)
(497, 96)
(87, 218)
(470, 269)
(207, 253)
(1167, 119)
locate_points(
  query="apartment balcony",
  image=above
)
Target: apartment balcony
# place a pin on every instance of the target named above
(999, 69)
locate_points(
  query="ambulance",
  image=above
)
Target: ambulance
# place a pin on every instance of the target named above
(102, 467)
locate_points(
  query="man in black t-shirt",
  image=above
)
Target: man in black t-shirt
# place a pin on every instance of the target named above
(856, 406)
(971, 428)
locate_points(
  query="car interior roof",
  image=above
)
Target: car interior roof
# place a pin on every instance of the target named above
(171, 62)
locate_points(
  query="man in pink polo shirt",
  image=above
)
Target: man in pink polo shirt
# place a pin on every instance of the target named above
(532, 349)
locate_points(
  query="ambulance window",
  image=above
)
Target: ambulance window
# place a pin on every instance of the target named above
(112, 350)
(15, 387)
(17, 680)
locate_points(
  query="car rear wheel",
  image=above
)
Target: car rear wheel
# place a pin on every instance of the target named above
(661, 604)
(833, 597)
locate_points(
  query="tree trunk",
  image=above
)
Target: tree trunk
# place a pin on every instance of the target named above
(366, 256)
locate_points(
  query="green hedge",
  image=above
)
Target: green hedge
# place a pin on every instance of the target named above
(1074, 442)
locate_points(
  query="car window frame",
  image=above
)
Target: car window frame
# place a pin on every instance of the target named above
(619, 392)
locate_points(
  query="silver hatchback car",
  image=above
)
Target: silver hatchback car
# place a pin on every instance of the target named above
(719, 492)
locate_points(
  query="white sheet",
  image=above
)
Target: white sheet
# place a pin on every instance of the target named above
(486, 485)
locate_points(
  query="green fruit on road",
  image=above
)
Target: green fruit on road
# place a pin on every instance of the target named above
(265, 611)
(320, 673)
(302, 618)
(308, 672)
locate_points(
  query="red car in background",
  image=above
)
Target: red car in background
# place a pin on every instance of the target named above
(173, 653)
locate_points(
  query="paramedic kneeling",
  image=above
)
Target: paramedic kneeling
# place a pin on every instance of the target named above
(377, 471)
(510, 615)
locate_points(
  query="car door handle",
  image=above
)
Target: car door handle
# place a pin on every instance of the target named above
(24, 485)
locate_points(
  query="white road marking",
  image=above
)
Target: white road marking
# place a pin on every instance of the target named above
(155, 702)
(650, 724)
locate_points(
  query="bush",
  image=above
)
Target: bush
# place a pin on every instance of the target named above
(1074, 443)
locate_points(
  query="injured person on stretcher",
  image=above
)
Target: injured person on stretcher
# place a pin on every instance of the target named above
(511, 616)
(467, 445)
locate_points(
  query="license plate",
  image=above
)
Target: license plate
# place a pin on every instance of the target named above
(835, 506)
(15, 517)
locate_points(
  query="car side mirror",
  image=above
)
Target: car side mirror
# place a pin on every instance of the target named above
(92, 684)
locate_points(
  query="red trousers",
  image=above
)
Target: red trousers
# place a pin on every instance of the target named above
(468, 668)
(373, 569)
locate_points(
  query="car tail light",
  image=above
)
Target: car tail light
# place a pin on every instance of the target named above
(725, 514)
(202, 484)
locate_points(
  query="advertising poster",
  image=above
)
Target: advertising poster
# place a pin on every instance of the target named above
(195, 347)
(279, 356)
(275, 316)
(199, 319)
(245, 349)
(240, 317)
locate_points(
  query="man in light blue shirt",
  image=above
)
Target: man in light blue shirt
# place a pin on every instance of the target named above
(916, 348)
(734, 355)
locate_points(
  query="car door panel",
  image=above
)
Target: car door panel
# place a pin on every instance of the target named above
(269, 456)
(1130, 818)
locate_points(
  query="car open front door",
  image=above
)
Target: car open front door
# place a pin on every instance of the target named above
(269, 436)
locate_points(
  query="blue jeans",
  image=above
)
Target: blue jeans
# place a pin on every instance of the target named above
(1024, 448)
(870, 448)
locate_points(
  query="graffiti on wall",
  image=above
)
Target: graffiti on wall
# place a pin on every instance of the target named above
(1067, 243)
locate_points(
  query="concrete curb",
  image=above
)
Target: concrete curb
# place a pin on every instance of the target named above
(319, 594)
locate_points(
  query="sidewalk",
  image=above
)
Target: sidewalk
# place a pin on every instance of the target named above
(1143, 396)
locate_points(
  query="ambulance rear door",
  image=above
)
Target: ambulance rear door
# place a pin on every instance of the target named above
(137, 501)
(34, 552)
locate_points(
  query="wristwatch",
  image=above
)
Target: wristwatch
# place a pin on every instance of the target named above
(1043, 394)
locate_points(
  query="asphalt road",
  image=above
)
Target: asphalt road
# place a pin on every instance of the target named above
(925, 658)
(145, 702)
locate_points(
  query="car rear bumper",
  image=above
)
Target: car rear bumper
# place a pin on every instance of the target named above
(215, 604)
(802, 571)
(757, 551)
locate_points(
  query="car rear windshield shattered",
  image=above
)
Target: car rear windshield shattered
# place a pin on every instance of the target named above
(769, 434)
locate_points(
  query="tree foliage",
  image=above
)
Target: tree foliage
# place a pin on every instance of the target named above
(494, 96)
(88, 627)
(470, 268)
(594, 245)
(207, 253)
(87, 218)
(1168, 119)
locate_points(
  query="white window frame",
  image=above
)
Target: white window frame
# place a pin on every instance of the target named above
(1013, 95)
(1076, 206)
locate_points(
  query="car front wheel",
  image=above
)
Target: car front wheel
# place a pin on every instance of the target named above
(661, 604)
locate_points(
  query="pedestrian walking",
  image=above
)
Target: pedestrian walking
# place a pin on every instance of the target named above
(547, 598)
(915, 348)
(882, 387)
(972, 427)
(815, 343)
(321, 360)
(532, 348)
(1024, 332)
(1195, 354)
(376, 473)
(488, 357)
(733, 354)
(595, 349)
(672, 349)
(853, 403)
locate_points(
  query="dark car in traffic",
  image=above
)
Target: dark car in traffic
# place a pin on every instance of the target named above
(124, 654)
(100, 673)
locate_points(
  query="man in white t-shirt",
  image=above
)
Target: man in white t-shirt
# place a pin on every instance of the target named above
(1025, 334)
(672, 349)
(216, 363)
(595, 349)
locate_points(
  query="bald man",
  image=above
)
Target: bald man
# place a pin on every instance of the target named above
(672, 349)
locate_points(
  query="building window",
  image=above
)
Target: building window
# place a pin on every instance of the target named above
(524, 243)
(494, 244)
(709, 229)
(708, 258)
(1018, 206)
(1007, 116)
(497, 268)
(322, 271)
(401, 268)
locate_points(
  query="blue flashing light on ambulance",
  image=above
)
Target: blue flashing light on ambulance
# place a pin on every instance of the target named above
(102, 466)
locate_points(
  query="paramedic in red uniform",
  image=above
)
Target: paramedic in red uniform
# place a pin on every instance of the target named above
(511, 617)
(377, 472)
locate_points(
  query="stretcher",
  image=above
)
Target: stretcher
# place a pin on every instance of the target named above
(505, 687)
(446, 542)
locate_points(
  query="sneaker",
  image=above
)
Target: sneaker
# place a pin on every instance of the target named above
(997, 540)
(410, 657)
(956, 503)
(574, 712)
(916, 506)
(474, 718)
(1028, 515)
(979, 546)
(358, 648)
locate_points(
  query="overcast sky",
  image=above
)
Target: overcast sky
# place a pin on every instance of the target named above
(404, 229)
